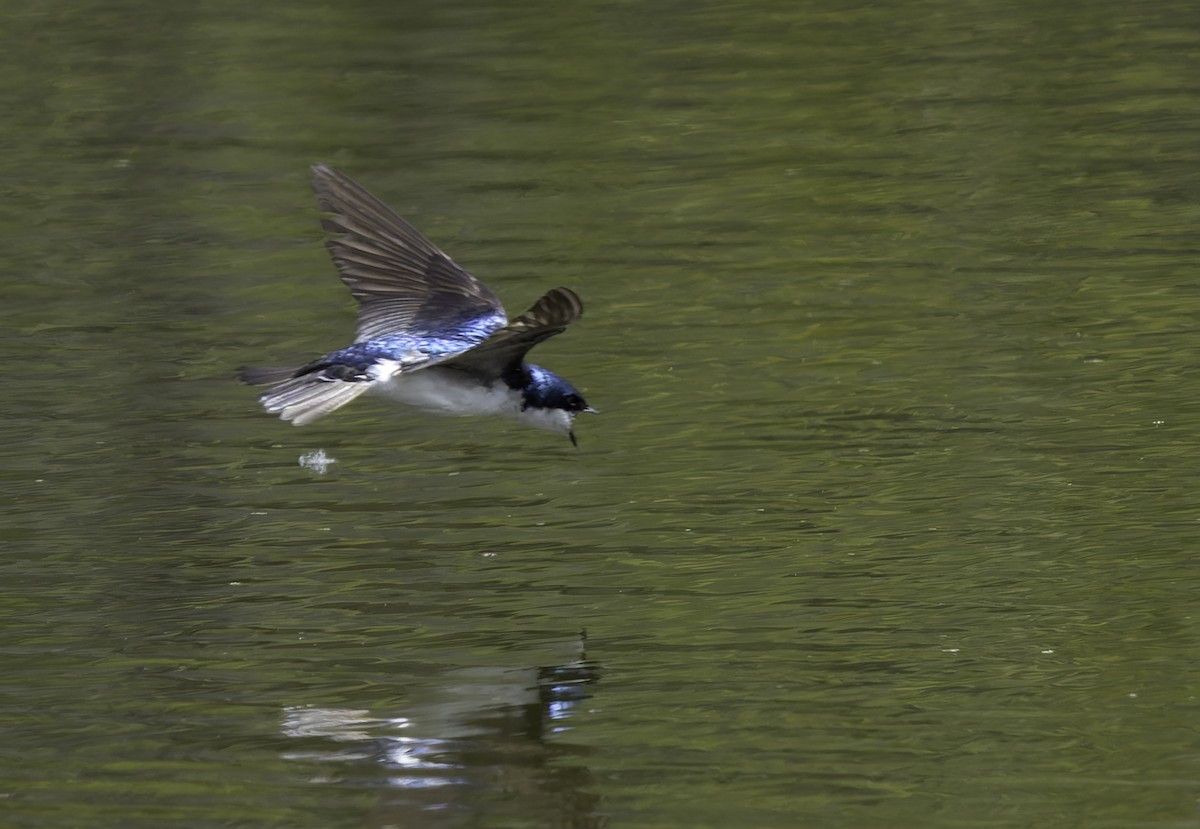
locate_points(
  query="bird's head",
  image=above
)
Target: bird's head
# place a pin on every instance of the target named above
(550, 402)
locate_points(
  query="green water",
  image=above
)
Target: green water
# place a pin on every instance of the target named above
(890, 515)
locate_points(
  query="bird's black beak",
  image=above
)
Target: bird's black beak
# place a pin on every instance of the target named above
(590, 410)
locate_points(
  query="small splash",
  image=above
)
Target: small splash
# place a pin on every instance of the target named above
(317, 461)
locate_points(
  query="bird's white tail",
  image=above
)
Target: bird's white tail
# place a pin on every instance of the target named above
(306, 398)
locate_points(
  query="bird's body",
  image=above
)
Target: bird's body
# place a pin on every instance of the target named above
(430, 335)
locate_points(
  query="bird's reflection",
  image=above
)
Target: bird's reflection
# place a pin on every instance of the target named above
(482, 744)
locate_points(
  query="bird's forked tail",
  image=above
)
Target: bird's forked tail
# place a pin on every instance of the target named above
(301, 398)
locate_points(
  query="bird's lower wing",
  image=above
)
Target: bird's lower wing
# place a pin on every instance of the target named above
(550, 315)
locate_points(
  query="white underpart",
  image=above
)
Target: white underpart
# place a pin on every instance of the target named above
(449, 392)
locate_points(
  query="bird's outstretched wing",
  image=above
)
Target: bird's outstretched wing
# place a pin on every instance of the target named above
(404, 283)
(550, 315)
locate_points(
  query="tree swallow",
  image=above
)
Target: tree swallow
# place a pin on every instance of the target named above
(429, 334)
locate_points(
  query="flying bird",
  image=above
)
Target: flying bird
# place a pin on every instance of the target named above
(430, 335)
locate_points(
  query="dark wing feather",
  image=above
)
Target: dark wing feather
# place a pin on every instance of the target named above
(550, 315)
(403, 282)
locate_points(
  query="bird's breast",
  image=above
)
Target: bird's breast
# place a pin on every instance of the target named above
(446, 391)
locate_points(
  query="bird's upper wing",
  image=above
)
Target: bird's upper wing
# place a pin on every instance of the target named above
(550, 315)
(404, 283)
